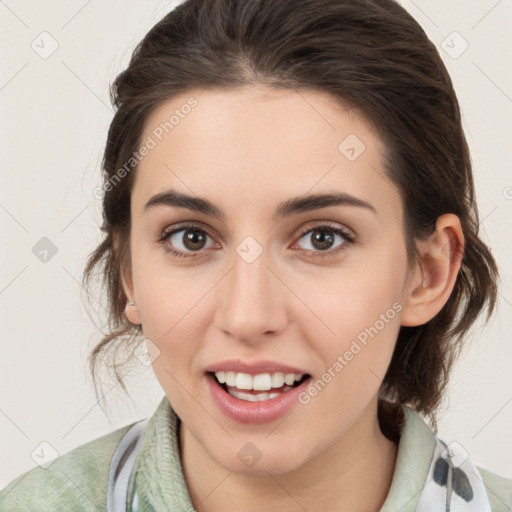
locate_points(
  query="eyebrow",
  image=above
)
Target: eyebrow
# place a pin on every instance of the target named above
(296, 205)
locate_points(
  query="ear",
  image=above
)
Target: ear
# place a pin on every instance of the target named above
(125, 272)
(436, 273)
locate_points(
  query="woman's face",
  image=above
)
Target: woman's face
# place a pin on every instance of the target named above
(257, 282)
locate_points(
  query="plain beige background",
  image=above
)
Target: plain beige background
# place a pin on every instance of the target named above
(58, 59)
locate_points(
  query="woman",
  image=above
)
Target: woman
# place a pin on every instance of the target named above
(290, 226)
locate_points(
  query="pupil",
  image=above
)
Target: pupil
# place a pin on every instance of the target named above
(322, 240)
(192, 238)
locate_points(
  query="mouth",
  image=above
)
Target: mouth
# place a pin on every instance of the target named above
(255, 392)
(257, 388)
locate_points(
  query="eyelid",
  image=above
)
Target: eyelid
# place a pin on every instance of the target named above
(319, 224)
(167, 233)
(183, 226)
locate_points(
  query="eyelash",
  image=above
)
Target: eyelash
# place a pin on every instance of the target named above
(348, 239)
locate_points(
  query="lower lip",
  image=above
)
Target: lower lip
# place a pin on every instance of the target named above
(254, 412)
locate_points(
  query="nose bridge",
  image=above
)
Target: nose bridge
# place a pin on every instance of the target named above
(250, 303)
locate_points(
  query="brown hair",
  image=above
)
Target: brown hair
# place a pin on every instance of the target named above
(368, 54)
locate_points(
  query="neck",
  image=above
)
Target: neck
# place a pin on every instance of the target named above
(355, 474)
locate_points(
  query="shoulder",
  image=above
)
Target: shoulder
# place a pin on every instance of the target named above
(76, 480)
(499, 490)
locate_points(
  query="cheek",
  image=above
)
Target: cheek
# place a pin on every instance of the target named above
(173, 312)
(365, 322)
(351, 300)
(356, 322)
(164, 293)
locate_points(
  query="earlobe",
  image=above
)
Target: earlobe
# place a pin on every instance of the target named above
(436, 273)
(131, 310)
(132, 313)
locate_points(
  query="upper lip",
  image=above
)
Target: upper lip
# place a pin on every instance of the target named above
(253, 367)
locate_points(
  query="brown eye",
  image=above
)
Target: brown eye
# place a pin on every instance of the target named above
(325, 238)
(193, 239)
(186, 240)
(322, 239)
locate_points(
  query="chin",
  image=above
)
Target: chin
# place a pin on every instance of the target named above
(274, 463)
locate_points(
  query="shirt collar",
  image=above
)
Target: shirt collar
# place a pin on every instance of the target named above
(158, 473)
(415, 452)
(160, 484)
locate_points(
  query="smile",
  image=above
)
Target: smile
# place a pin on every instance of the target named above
(249, 387)
(241, 398)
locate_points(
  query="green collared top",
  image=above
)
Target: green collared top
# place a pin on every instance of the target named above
(78, 480)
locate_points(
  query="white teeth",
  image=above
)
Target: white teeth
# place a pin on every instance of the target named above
(289, 379)
(243, 381)
(260, 397)
(260, 382)
(230, 378)
(221, 377)
(277, 380)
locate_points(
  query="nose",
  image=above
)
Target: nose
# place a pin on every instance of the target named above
(251, 300)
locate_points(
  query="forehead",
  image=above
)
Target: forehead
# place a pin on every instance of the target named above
(261, 112)
(259, 143)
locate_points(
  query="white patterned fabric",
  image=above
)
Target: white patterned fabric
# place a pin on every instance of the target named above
(453, 482)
